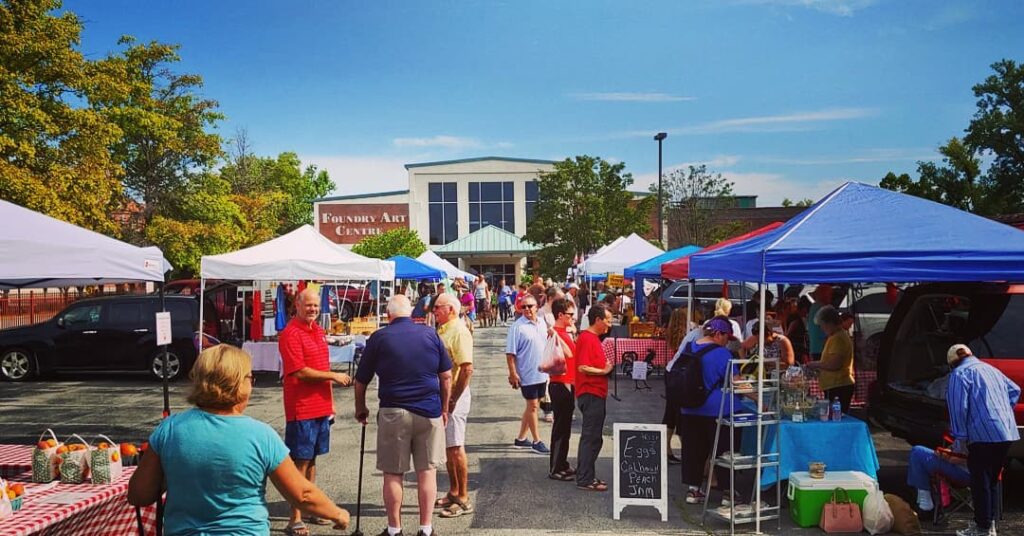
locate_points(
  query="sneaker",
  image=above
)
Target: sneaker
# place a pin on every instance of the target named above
(728, 499)
(385, 533)
(674, 460)
(421, 533)
(540, 448)
(694, 496)
(523, 444)
(549, 417)
(973, 530)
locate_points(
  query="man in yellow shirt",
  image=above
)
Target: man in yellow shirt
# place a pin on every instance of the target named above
(459, 342)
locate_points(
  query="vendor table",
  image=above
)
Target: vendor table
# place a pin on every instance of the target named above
(815, 441)
(14, 460)
(68, 509)
(614, 347)
(266, 357)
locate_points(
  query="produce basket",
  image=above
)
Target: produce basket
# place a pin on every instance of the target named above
(641, 330)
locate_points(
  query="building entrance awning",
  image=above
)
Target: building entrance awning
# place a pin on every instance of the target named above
(489, 240)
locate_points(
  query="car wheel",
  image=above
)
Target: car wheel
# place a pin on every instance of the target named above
(17, 365)
(348, 312)
(174, 366)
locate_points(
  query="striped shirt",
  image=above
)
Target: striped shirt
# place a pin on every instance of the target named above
(980, 401)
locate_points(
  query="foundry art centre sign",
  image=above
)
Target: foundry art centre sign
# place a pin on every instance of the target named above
(348, 224)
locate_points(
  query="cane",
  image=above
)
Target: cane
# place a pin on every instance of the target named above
(359, 488)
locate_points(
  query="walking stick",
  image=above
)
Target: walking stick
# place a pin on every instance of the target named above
(359, 488)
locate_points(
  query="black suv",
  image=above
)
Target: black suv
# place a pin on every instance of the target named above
(116, 333)
(909, 396)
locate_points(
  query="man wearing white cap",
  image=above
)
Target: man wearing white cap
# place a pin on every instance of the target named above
(980, 401)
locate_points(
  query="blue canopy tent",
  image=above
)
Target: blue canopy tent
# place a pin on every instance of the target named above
(861, 233)
(409, 268)
(651, 269)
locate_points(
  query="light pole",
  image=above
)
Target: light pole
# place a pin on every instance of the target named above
(659, 137)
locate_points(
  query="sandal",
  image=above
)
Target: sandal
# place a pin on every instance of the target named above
(296, 529)
(456, 509)
(596, 485)
(445, 502)
(318, 520)
(563, 476)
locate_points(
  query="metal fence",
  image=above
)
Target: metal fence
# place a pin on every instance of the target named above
(27, 307)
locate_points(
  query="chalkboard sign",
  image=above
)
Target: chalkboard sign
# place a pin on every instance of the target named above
(641, 467)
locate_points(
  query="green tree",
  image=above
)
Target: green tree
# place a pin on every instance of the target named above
(582, 205)
(164, 124)
(805, 202)
(955, 183)
(388, 244)
(997, 131)
(284, 176)
(690, 196)
(54, 150)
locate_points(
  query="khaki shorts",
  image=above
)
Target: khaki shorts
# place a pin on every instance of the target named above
(455, 432)
(402, 434)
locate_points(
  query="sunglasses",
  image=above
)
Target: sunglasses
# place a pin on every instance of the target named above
(529, 305)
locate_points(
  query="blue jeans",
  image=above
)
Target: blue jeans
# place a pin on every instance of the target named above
(924, 463)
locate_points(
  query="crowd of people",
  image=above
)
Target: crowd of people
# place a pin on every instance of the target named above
(423, 363)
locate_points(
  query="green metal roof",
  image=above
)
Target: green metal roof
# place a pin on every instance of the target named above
(487, 240)
(480, 159)
(360, 196)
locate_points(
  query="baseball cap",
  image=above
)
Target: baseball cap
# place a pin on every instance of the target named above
(953, 355)
(719, 325)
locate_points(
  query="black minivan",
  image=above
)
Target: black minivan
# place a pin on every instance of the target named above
(909, 396)
(114, 333)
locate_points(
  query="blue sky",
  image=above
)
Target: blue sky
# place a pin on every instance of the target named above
(788, 98)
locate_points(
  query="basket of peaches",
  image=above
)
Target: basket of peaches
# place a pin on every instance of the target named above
(129, 454)
(14, 491)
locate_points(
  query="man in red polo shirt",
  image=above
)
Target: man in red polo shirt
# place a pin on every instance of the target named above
(592, 370)
(308, 402)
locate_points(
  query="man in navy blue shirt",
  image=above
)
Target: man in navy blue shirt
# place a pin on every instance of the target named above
(415, 380)
(980, 401)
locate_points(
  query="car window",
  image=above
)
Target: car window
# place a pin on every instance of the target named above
(682, 291)
(125, 313)
(84, 316)
(877, 303)
(995, 325)
(180, 311)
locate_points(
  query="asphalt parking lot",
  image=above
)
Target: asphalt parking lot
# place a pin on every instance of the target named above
(509, 487)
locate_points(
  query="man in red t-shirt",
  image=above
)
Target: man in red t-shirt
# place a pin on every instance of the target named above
(560, 388)
(308, 402)
(592, 369)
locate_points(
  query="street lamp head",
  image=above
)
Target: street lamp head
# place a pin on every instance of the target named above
(660, 136)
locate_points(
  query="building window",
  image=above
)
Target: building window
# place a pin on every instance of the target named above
(531, 199)
(494, 273)
(444, 204)
(492, 203)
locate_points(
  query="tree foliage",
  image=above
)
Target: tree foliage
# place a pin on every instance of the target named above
(996, 132)
(388, 244)
(582, 205)
(690, 196)
(805, 202)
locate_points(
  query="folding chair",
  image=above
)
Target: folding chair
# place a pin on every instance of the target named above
(951, 496)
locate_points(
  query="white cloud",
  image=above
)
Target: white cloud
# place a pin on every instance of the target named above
(447, 142)
(363, 174)
(869, 156)
(797, 121)
(630, 97)
(843, 8)
(714, 165)
(772, 188)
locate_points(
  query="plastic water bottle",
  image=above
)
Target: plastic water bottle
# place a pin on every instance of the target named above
(837, 410)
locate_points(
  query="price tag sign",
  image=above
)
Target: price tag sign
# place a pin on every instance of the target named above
(640, 467)
(163, 328)
(615, 280)
(640, 370)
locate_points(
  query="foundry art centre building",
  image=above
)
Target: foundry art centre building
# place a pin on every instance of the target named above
(472, 212)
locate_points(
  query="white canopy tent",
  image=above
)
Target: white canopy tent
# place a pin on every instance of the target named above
(620, 254)
(301, 254)
(431, 259)
(39, 251)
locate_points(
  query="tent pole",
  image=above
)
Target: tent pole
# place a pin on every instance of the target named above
(243, 313)
(689, 304)
(762, 327)
(167, 396)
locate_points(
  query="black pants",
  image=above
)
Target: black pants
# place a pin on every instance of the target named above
(845, 394)
(504, 310)
(697, 433)
(591, 438)
(562, 404)
(985, 461)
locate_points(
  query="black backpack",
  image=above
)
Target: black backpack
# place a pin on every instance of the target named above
(684, 384)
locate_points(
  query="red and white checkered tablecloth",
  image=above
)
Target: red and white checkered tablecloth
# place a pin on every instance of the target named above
(99, 510)
(15, 459)
(613, 349)
(864, 380)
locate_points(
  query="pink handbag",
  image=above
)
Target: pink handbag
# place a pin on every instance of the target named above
(841, 514)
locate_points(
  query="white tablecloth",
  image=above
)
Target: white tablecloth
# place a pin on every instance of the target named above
(265, 356)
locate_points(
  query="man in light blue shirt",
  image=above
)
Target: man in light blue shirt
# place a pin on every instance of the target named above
(524, 350)
(980, 401)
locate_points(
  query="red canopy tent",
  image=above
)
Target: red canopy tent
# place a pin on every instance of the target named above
(680, 268)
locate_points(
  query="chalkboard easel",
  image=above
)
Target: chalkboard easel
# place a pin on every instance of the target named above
(641, 467)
